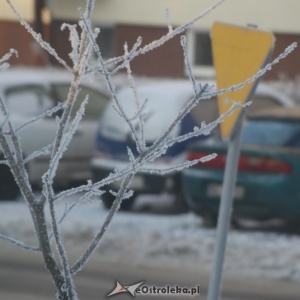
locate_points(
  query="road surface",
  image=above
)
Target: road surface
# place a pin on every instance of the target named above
(23, 277)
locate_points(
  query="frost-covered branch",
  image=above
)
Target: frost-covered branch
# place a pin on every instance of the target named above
(44, 151)
(95, 242)
(140, 135)
(179, 167)
(47, 113)
(255, 76)
(37, 36)
(65, 141)
(188, 65)
(109, 82)
(4, 60)
(158, 43)
(19, 243)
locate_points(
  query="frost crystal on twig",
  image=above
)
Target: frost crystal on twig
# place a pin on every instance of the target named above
(168, 19)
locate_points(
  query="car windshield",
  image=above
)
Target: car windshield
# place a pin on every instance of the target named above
(271, 133)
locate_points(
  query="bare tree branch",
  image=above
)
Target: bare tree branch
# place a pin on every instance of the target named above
(38, 37)
(19, 243)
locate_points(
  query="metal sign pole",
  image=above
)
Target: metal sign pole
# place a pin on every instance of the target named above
(225, 210)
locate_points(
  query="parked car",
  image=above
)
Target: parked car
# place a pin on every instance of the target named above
(165, 100)
(30, 92)
(267, 184)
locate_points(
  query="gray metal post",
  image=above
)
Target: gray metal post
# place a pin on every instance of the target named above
(214, 288)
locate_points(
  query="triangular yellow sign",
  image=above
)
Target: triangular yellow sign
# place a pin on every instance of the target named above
(238, 53)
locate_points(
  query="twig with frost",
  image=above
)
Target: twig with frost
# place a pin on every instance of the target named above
(44, 151)
(4, 60)
(6, 57)
(188, 65)
(16, 163)
(19, 243)
(179, 167)
(15, 145)
(109, 82)
(95, 242)
(256, 76)
(37, 36)
(141, 144)
(158, 43)
(67, 138)
(47, 113)
(168, 19)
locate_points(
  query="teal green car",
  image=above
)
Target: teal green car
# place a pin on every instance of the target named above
(268, 181)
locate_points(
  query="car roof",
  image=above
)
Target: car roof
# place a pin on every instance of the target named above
(162, 97)
(28, 75)
(280, 113)
(184, 87)
(43, 75)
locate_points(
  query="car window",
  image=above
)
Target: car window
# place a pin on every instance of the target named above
(96, 103)
(271, 133)
(28, 100)
(207, 110)
(262, 102)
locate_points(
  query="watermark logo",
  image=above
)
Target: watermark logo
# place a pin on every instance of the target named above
(141, 289)
(131, 289)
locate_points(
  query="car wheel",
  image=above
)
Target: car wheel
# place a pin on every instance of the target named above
(9, 189)
(180, 204)
(108, 198)
(293, 225)
(210, 220)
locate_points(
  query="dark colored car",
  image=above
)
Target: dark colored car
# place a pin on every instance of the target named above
(268, 181)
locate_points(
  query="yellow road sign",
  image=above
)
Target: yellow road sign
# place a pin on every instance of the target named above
(238, 53)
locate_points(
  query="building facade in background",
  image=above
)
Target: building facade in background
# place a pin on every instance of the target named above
(123, 21)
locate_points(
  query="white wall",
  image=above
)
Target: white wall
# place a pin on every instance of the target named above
(25, 7)
(276, 15)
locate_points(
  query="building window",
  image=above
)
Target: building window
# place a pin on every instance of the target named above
(106, 41)
(200, 52)
(203, 54)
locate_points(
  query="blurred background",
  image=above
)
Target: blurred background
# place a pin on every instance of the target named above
(170, 223)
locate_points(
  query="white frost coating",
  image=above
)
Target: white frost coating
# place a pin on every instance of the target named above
(168, 19)
(75, 42)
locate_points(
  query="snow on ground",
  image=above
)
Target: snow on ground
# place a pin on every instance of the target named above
(178, 242)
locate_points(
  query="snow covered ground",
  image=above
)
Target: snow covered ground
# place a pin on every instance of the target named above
(179, 242)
